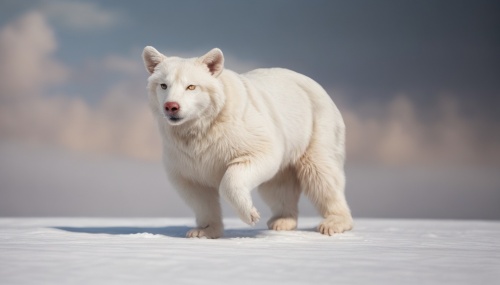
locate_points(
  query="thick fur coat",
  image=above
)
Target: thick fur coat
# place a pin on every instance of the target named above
(225, 134)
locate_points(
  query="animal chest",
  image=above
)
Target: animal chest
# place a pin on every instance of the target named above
(203, 167)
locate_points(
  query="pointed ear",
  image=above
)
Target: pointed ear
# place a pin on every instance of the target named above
(151, 58)
(214, 60)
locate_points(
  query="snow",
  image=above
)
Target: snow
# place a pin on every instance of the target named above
(154, 251)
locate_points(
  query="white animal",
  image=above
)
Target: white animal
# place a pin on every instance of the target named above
(225, 134)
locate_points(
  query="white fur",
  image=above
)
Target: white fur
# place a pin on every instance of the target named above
(271, 129)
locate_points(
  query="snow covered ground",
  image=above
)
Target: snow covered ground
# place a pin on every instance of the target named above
(154, 251)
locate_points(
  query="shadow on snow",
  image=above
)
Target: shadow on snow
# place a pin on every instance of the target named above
(169, 231)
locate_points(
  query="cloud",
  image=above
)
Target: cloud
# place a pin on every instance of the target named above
(117, 125)
(120, 123)
(399, 136)
(81, 16)
(26, 49)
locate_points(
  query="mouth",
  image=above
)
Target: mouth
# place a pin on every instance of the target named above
(173, 119)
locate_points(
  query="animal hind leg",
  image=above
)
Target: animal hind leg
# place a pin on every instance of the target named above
(322, 177)
(282, 194)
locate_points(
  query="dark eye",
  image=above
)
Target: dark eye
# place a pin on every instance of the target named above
(163, 86)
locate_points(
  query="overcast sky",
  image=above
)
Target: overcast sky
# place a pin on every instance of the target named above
(416, 81)
(370, 50)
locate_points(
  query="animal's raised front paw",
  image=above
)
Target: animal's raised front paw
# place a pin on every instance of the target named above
(252, 217)
(206, 232)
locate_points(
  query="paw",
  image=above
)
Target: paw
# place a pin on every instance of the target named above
(335, 224)
(210, 232)
(251, 218)
(282, 224)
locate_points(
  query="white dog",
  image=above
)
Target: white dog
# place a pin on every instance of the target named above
(225, 134)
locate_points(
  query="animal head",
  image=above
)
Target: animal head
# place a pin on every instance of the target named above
(184, 90)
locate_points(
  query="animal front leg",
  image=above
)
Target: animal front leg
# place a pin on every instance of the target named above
(205, 203)
(240, 178)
